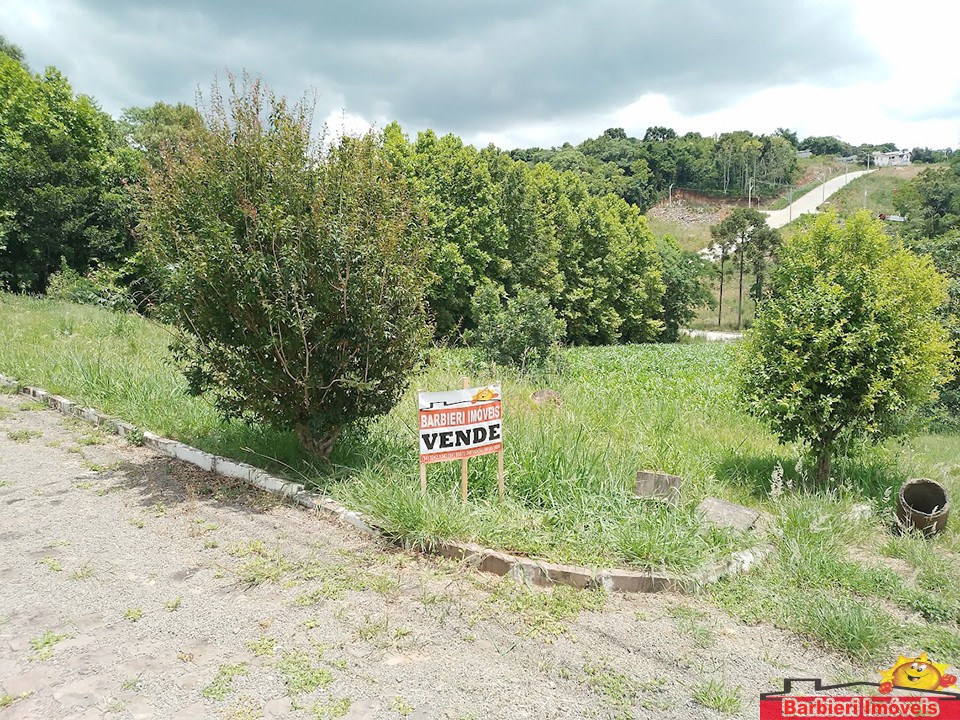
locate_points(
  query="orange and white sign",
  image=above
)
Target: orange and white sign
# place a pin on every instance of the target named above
(460, 424)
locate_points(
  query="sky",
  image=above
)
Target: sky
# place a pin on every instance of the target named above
(522, 73)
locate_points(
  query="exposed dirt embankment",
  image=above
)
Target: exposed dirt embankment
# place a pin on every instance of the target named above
(688, 212)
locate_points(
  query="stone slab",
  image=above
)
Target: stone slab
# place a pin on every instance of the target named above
(724, 514)
(659, 486)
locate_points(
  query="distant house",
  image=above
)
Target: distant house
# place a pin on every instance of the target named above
(887, 159)
(804, 153)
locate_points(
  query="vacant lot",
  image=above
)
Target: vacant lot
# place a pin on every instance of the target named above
(839, 577)
(137, 587)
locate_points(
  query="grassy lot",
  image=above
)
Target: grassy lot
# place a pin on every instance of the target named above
(689, 235)
(879, 187)
(839, 577)
(706, 317)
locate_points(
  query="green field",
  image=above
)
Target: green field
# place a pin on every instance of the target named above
(570, 472)
(879, 187)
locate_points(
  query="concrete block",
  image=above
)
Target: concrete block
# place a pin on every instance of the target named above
(268, 482)
(496, 563)
(61, 404)
(721, 513)
(636, 582)
(659, 486)
(232, 468)
(572, 575)
(189, 454)
(89, 414)
(157, 442)
(36, 393)
(120, 427)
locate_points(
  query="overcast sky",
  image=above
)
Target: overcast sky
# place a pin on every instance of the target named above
(530, 72)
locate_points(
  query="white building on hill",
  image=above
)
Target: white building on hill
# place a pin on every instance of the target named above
(887, 159)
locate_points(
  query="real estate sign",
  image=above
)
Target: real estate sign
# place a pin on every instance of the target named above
(460, 424)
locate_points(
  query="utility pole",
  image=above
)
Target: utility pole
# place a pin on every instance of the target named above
(670, 193)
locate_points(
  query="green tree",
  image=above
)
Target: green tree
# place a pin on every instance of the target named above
(849, 345)
(293, 273)
(931, 204)
(63, 179)
(466, 236)
(745, 231)
(152, 129)
(931, 201)
(686, 287)
(521, 331)
(12, 51)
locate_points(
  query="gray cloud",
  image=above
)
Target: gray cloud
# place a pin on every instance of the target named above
(464, 67)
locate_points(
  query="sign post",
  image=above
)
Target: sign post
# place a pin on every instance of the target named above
(458, 425)
(465, 384)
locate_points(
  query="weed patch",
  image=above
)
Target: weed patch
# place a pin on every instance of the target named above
(716, 695)
(545, 612)
(23, 436)
(43, 645)
(222, 683)
(302, 671)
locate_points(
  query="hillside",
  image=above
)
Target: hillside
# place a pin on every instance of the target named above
(874, 191)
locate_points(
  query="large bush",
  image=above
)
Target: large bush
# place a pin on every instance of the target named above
(523, 332)
(686, 286)
(850, 343)
(292, 270)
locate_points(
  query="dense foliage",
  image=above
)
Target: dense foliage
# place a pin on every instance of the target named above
(522, 331)
(685, 278)
(291, 271)
(64, 170)
(642, 170)
(849, 345)
(494, 220)
(931, 203)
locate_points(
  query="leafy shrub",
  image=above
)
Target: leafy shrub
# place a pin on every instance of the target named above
(685, 276)
(292, 270)
(522, 332)
(850, 344)
(97, 287)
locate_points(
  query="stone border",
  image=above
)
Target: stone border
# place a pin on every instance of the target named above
(522, 569)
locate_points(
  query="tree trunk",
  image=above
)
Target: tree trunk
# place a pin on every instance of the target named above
(824, 463)
(318, 446)
(720, 310)
(740, 294)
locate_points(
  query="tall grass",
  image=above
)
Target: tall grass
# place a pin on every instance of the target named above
(569, 470)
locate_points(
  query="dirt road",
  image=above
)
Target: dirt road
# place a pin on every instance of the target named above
(133, 586)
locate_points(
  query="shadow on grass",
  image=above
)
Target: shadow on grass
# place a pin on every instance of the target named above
(754, 473)
(870, 473)
(280, 453)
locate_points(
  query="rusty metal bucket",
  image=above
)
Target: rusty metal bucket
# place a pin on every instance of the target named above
(923, 505)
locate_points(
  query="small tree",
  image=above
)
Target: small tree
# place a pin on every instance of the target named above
(849, 344)
(685, 278)
(291, 270)
(523, 332)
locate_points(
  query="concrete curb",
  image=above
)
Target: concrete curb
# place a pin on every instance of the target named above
(527, 570)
